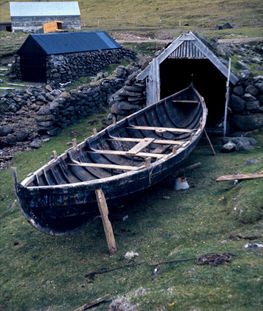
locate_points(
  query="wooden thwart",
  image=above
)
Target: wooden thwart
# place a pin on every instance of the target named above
(185, 101)
(127, 153)
(104, 165)
(102, 204)
(156, 141)
(240, 177)
(141, 145)
(160, 129)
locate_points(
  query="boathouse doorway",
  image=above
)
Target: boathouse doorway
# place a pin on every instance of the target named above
(176, 74)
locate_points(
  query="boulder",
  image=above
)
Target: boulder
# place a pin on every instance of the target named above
(5, 130)
(238, 90)
(248, 122)
(253, 105)
(241, 143)
(251, 89)
(237, 104)
(249, 97)
(36, 143)
(259, 86)
(22, 135)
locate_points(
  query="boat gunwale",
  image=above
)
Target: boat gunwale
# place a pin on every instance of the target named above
(107, 130)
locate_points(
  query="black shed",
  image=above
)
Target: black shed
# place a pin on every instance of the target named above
(40, 50)
(189, 59)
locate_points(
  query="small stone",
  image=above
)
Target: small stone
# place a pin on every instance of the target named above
(251, 89)
(130, 255)
(229, 147)
(5, 130)
(35, 144)
(238, 90)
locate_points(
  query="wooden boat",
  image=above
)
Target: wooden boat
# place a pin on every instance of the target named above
(123, 159)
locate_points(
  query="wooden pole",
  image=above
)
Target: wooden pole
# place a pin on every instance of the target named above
(227, 96)
(103, 208)
(209, 141)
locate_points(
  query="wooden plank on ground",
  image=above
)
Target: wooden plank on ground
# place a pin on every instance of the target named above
(240, 177)
(105, 165)
(102, 204)
(141, 145)
(160, 129)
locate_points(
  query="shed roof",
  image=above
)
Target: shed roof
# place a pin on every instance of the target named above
(69, 42)
(19, 9)
(189, 46)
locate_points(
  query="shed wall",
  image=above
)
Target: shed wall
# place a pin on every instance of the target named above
(34, 24)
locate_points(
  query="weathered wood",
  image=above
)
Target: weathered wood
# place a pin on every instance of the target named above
(141, 145)
(147, 162)
(240, 176)
(227, 97)
(185, 101)
(210, 143)
(153, 83)
(74, 175)
(156, 141)
(74, 143)
(102, 204)
(160, 129)
(110, 166)
(127, 153)
(94, 303)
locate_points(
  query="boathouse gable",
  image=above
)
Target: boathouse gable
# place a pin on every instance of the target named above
(188, 59)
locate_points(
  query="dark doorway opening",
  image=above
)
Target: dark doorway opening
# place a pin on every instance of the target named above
(33, 68)
(176, 74)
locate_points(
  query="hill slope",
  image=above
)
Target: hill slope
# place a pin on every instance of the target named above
(143, 14)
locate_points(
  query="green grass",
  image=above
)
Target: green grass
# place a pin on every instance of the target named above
(40, 272)
(159, 14)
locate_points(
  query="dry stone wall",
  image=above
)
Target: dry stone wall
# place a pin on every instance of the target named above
(69, 67)
(130, 98)
(30, 114)
(64, 68)
(247, 104)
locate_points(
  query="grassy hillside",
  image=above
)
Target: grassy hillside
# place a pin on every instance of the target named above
(159, 14)
(41, 272)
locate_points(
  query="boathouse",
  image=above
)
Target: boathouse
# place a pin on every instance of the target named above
(189, 59)
(66, 56)
(30, 16)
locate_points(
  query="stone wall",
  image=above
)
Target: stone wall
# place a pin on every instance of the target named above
(130, 98)
(64, 68)
(69, 67)
(29, 115)
(71, 106)
(246, 104)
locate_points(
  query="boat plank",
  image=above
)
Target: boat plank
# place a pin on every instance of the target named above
(186, 101)
(140, 146)
(160, 129)
(127, 153)
(156, 141)
(111, 166)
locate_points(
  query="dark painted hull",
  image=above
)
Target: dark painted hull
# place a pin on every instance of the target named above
(59, 208)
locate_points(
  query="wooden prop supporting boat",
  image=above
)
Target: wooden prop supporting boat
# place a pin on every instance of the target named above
(122, 160)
